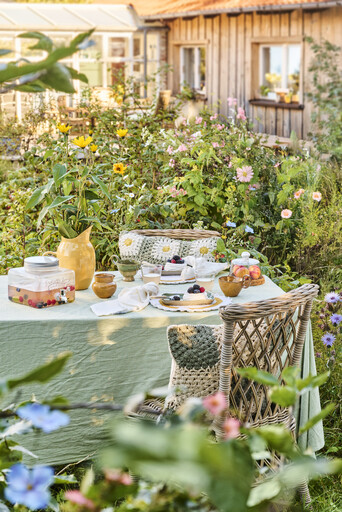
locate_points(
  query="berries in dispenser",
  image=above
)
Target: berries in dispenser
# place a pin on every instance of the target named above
(41, 283)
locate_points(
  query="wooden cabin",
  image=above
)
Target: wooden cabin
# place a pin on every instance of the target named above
(252, 50)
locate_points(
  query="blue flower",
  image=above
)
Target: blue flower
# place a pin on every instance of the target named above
(336, 319)
(42, 417)
(332, 297)
(230, 224)
(249, 229)
(328, 339)
(114, 211)
(29, 487)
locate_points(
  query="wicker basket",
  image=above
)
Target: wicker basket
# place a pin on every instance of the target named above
(180, 234)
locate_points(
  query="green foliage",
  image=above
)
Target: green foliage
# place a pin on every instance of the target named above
(48, 73)
(326, 97)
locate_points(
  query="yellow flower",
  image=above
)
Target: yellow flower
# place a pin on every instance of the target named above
(93, 148)
(223, 237)
(91, 132)
(82, 142)
(63, 128)
(119, 168)
(121, 132)
(204, 250)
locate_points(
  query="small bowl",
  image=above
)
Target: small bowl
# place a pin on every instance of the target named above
(104, 286)
(128, 269)
(232, 286)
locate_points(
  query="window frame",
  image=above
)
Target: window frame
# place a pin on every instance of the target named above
(256, 66)
(197, 61)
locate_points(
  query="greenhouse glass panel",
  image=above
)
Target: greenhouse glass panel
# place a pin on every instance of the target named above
(7, 43)
(62, 17)
(25, 17)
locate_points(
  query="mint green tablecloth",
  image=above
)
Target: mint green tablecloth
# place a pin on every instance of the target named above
(114, 357)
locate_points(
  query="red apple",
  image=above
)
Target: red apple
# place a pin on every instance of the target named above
(240, 271)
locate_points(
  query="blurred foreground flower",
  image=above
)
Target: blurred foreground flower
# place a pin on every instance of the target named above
(78, 498)
(316, 196)
(336, 319)
(231, 428)
(29, 487)
(81, 142)
(41, 416)
(215, 403)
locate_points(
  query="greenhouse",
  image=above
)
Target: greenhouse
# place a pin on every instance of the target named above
(124, 44)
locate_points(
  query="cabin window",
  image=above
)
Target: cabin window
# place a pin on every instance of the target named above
(280, 72)
(193, 68)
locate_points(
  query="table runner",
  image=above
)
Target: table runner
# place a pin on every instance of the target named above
(114, 357)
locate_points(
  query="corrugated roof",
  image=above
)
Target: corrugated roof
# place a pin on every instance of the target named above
(114, 16)
(167, 8)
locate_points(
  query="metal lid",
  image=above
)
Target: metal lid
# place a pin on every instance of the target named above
(41, 262)
(245, 260)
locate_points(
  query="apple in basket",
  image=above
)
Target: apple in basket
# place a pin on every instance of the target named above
(240, 271)
(254, 272)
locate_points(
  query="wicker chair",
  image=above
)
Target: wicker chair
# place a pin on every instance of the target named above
(268, 335)
(158, 245)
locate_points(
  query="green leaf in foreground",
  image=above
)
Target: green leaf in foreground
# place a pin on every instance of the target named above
(42, 373)
(315, 419)
(259, 376)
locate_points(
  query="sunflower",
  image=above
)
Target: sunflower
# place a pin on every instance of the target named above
(82, 142)
(63, 128)
(121, 132)
(119, 168)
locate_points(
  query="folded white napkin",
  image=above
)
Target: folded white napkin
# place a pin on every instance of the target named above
(174, 266)
(129, 299)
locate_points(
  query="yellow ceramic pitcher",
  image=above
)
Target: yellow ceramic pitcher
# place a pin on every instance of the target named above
(77, 254)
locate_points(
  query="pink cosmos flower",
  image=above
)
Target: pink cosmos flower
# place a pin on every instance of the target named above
(231, 102)
(223, 144)
(299, 193)
(245, 174)
(205, 124)
(277, 164)
(182, 147)
(241, 114)
(78, 498)
(213, 117)
(114, 475)
(286, 214)
(170, 150)
(215, 145)
(199, 119)
(316, 196)
(215, 403)
(220, 126)
(172, 162)
(231, 428)
(230, 165)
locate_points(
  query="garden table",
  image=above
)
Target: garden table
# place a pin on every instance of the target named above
(114, 357)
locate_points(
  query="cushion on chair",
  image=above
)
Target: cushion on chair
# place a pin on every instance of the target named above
(158, 249)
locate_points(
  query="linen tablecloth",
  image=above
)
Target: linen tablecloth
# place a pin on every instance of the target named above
(114, 358)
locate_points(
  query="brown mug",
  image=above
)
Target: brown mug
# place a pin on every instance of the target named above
(232, 285)
(103, 285)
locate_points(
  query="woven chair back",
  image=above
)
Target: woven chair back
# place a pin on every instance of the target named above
(268, 335)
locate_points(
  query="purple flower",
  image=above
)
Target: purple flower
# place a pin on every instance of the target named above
(328, 339)
(42, 417)
(336, 319)
(248, 229)
(332, 297)
(230, 224)
(29, 487)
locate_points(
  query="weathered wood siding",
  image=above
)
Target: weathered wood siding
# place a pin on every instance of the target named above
(232, 58)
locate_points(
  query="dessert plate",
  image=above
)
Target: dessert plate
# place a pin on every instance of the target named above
(169, 301)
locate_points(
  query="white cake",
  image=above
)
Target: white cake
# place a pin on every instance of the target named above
(195, 296)
(171, 267)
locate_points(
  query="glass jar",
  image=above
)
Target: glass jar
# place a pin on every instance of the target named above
(41, 283)
(245, 265)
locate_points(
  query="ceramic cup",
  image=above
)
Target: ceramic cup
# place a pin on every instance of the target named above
(232, 286)
(127, 268)
(103, 285)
